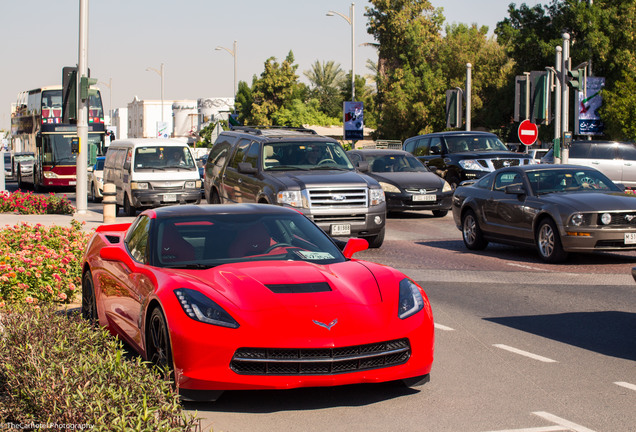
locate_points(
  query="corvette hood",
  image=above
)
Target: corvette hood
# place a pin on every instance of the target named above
(266, 285)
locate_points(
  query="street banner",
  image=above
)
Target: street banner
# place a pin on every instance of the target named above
(353, 121)
(162, 130)
(588, 120)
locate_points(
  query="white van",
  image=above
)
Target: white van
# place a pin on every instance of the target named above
(152, 172)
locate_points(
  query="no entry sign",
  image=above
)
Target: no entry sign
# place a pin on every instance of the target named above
(528, 132)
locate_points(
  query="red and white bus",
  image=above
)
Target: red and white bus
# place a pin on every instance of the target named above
(36, 126)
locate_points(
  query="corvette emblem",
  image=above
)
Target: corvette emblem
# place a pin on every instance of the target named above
(327, 326)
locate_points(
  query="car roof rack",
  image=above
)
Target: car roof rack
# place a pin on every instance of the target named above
(273, 130)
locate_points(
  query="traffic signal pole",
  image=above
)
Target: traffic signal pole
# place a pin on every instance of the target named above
(557, 105)
(81, 162)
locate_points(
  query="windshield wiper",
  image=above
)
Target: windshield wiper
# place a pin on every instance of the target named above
(326, 167)
(286, 168)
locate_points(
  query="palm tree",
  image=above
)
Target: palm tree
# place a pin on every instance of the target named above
(325, 80)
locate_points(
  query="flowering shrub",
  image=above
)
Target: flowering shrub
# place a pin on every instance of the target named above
(29, 203)
(40, 264)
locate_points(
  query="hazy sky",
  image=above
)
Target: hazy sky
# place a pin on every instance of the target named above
(40, 37)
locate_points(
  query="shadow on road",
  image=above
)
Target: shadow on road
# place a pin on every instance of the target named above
(609, 333)
(269, 401)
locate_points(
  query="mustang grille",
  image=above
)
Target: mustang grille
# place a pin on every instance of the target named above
(338, 197)
(320, 361)
(625, 219)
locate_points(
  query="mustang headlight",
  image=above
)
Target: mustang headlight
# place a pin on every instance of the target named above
(388, 187)
(199, 307)
(606, 218)
(411, 301)
(577, 219)
(472, 165)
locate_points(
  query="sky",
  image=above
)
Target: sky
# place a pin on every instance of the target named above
(126, 37)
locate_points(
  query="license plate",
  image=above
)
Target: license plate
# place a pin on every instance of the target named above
(630, 238)
(340, 229)
(169, 197)
(424, 197)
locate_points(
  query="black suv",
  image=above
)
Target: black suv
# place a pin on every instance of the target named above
(457, 156)
(297, 168)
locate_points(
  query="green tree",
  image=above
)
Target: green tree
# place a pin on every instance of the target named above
(299, 113)
(276, 87)
(325, 79)
(410, 86)
(244, 100)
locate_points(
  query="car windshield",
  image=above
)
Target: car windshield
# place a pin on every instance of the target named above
(569, 180)
(286, 156)
(216, 239)
(99, 165)
(397, 162)
(472, 143)
(160, 157)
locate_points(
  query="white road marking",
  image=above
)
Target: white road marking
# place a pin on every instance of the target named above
(524, 266)
(443, 327)
(563, 425)
(525, 353)
(626, 385)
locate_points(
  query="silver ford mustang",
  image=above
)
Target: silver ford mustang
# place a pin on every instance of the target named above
(556, 208)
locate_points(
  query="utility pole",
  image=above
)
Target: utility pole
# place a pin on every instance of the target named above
(565, 97)
(81, 163)
(557, 104)
(469, 85)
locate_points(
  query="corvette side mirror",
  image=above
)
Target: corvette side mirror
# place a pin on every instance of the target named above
(355, 245)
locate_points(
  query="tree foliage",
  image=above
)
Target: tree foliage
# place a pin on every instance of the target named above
(325, 79)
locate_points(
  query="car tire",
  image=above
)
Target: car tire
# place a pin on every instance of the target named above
(440, 213)
(376, 240)
(158, 348)
(89, 302)
(548, 242)
(213, 197)
(19, 179)
(471, 232)
(129, 209)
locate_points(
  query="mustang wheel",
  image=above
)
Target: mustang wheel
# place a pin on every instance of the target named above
(549, 242)
(89, 304)
(471, 233)
(158, 348)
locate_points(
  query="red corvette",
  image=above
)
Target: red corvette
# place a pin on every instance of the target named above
(253, 296)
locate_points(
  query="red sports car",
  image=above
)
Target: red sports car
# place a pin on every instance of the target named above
(253, 296)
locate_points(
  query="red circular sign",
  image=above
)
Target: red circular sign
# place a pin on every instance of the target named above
(528, 132)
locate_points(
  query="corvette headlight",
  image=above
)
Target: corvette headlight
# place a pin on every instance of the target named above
(388, 187)
(376, 196)
(472, 165)
(411, 301)
(200, 308)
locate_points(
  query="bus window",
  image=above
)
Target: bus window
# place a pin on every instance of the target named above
(56, 149)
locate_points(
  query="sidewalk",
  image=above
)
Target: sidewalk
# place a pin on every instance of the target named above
(92, 219)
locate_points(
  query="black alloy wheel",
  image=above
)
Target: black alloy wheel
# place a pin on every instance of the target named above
(158, 349)
(89, 302)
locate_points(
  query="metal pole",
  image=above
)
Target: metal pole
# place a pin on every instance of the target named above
(469, 85)
(234, 55)
(81, 164)
(557, 106)
(353, 55)
(527, 74)
(565, 96)
(161, 92)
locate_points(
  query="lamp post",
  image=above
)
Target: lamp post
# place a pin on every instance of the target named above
(110, 98)
(233, 53)
(160, 73)
(351, 22)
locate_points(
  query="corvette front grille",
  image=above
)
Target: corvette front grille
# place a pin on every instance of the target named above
(320, 361)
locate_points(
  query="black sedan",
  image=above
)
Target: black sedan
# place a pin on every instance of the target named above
(407, 183)
(557, 208)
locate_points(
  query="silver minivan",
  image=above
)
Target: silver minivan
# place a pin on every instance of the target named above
(152, 172)
(617, 160)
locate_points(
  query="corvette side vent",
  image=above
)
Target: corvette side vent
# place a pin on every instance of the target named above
(112, 239)
(303, 288)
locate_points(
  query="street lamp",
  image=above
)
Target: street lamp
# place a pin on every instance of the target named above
(160, 72)
(351, 22)
(233, 52)
(110, 98)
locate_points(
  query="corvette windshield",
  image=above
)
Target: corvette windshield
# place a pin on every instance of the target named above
(212, 240)
(569, 180)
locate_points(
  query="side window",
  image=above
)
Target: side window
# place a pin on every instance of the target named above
(627, 151)
(506, 179)
(603, 151)
(436, 146)
(218, 154)
(137, 241)
(110, 158)
(409, 146)
(128, 159)
(421, 148)
(354, 158)
(240, 153)
(580, 151)
(252, 154)
(485, 182)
